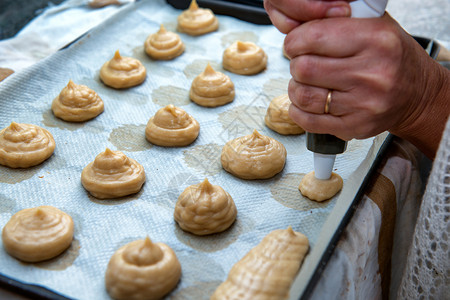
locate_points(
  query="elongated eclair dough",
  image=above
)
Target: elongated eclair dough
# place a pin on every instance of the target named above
(25, 145)
(268, 270)
(142, 270)
(37, 234)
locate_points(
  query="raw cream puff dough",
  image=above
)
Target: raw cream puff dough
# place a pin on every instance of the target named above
(253, 156)
(196, 20)
(112, 175)
(172, 127)
(268, 270)
(205, 209)
(77, 103)
(142, 270)
(244, 58)
(319, 189)
(122, 72)
(25, 145)
(164, 45)
(212, 88)
(277, 117)
(37, 234)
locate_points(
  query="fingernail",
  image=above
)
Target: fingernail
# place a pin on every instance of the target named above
(338, 11)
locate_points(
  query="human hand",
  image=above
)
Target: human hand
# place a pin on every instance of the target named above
(288, 14)
(380, 78)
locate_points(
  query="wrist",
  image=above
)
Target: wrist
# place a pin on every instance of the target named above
(424, 126)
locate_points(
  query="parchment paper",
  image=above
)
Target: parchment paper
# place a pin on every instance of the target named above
(102, 226)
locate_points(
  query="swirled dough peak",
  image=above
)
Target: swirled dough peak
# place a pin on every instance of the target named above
(244, 58)
(212, 88)
(142, 270)
(25, 145)
(277, 117)
(205, 209)
(171, 127)
(112, 175)
(254, 156)
(77, 103)
(122, 72)
(196, 20)
(268, 270)
(320, 189)
(37, 234)
(164, 45)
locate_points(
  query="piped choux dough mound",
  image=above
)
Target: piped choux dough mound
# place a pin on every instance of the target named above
(164, 45)
(254, 156)
(122, 72)
(172, 127)
(77, 103)
(112, 175)
(25, 145)
(277, 117)
(196, 20)
(212, 88)
(142, 270)
(37, 234)
(320, 189)
(268, 270)
(244, 58)
(205, 209)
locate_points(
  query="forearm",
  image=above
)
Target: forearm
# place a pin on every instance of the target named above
(425, 128)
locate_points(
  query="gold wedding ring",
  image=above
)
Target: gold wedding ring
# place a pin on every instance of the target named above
(327, 104)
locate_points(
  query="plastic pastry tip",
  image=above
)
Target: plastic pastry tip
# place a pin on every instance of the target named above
(323, 165)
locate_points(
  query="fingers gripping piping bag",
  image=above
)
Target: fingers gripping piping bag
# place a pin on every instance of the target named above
(326, 146)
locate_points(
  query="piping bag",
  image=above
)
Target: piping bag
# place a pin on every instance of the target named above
(326, 146)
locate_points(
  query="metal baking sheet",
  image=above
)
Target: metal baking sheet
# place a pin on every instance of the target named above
(102, 226)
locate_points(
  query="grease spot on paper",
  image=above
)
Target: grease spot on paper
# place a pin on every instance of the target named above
(168, 94)
(199, 291)
(241, 120)
(6, 204)
(12, 176)
(153, 66)
(62, 261)
(48, 119)
(213, 242)
(129, 137)
(243, 36)
(194, 69)
(116, 201)
(275, 87)
(286, 192)
(204, 158)
(175, 187)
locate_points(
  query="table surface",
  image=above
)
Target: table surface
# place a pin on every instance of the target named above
(15, 14)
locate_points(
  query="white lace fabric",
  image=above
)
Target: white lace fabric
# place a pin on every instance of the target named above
(427, 272)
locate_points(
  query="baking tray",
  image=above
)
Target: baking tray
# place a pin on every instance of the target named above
(18, 86)
(247, 10)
